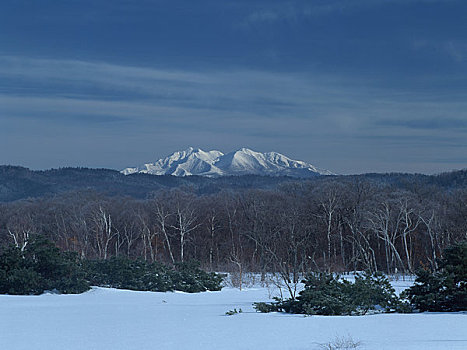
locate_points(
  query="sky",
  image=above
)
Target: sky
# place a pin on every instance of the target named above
(352, 86)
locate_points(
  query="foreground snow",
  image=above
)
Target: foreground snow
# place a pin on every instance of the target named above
(118, 319)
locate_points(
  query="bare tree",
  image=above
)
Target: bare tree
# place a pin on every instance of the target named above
(21, 225)
(185, 218)
(103, 230)
(162, 216)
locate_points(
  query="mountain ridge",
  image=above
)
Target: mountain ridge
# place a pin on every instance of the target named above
(244, 161)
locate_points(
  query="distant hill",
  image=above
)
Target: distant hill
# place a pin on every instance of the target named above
(20, 183)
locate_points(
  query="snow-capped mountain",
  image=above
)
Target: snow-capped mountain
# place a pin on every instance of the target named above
(244, 161)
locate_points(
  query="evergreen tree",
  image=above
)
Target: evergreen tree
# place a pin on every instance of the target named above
(43, 267)
(38, 268)
(327, 294)
(446, 289)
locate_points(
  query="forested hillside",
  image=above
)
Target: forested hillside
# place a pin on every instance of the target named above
(21, 183)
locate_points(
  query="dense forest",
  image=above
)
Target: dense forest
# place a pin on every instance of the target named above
(389, 223)
(20, 183)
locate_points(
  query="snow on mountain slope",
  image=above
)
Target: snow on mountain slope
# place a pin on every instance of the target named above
(214, 163)
(183, 163)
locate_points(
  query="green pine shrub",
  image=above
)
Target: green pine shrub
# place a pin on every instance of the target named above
(124, 273)
(43, 267)
(189, 277)
(268, 307)
(326, 294)
(443, 290)
(40, 267)
(233, 312)
(374, 291)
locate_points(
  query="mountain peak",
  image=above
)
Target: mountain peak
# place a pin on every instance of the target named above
(245, 150)
(190, 150)
(244, 161)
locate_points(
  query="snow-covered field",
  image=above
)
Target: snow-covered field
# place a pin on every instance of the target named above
(118, 319)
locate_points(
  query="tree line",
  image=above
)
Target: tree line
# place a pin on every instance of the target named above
(331, 226)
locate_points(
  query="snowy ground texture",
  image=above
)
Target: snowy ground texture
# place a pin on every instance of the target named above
(125, 320)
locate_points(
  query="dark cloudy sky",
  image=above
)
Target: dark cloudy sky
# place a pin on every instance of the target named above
(348, 85)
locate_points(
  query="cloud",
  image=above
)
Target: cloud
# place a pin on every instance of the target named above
(69, 104)
(117, 93)
(240, 92)
(455, 50)
(263, 16)
(293, 11)
(439, 123)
